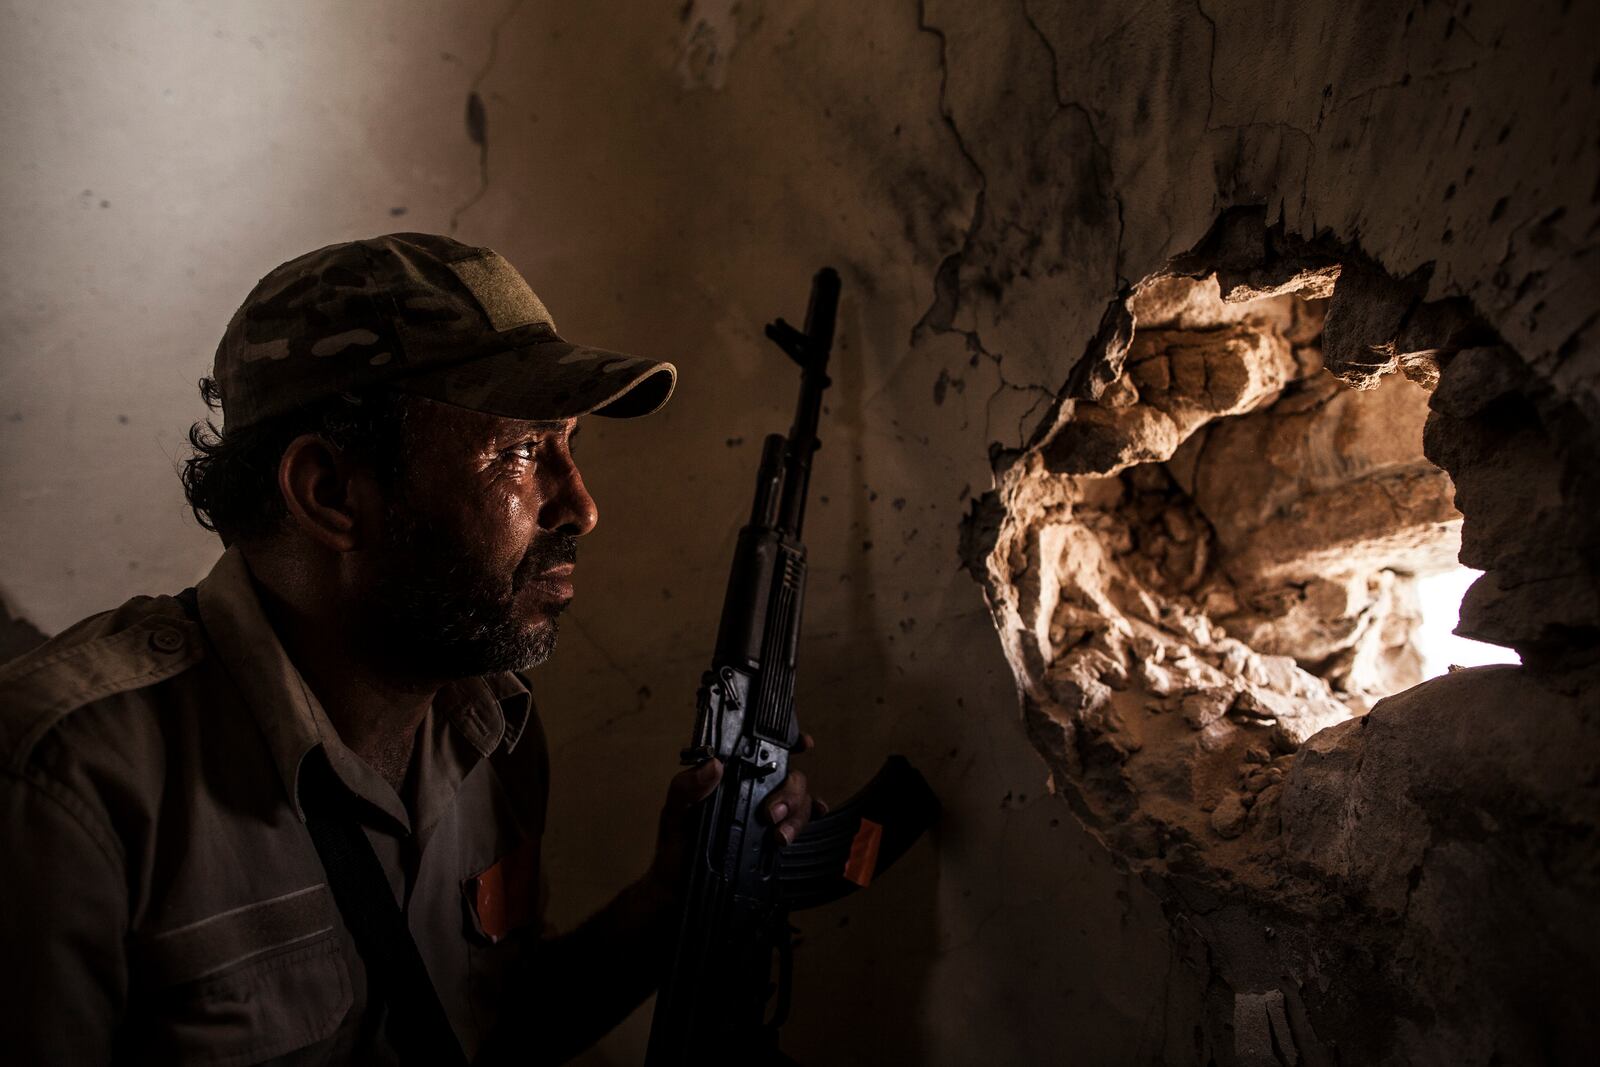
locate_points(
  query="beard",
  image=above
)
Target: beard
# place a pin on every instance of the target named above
(439, 611)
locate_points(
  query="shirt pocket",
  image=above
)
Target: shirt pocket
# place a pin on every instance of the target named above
(503, 906)
(505, 898)
(247, 984)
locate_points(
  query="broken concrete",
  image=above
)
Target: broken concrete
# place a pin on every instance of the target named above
(1203, 578)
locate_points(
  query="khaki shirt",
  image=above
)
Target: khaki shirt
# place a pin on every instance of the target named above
(160, 897)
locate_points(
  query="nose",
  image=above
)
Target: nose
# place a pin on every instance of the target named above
(568, 507)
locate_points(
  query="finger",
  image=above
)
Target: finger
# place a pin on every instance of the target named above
(819, 808)
(789, 795)
(689, 787)
(790, 805)
(799, 816)
(804, 745)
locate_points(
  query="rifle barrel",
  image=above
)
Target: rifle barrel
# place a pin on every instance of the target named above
(812, 355)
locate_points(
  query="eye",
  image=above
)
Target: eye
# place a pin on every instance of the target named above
(523, 451)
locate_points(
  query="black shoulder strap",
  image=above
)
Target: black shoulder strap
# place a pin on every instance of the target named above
(417, 1025)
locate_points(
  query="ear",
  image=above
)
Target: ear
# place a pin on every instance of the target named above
(330, 499)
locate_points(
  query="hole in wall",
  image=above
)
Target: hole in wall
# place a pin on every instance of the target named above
(1251, 498)
(1310, 856)
(1439, 599)
(1230, 539)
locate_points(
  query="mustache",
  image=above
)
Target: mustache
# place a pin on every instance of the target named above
(547, 551)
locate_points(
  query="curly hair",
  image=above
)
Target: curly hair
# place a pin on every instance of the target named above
(231, 480)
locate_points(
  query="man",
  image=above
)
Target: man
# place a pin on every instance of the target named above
(395, 486)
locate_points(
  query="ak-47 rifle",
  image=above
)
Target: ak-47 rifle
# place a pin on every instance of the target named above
(713, 1007)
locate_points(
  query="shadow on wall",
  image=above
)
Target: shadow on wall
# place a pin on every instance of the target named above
(1202, 571)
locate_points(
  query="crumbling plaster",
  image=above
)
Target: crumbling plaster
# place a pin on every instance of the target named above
(1225, 762)
(989, 178)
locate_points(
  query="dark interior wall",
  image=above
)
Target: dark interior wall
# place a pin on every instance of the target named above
(987, 178)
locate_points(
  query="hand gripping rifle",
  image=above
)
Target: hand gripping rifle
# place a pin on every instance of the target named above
(732, 953)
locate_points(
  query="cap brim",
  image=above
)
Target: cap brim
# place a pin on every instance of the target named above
(550, 380)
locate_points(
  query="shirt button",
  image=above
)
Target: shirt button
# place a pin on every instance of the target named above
(165, 640)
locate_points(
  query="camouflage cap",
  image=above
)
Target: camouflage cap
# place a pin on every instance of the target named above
(424, 314)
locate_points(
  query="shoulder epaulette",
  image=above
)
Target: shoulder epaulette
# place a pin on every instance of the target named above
(41, 687)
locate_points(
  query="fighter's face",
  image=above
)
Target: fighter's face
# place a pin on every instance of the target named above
(480, 543)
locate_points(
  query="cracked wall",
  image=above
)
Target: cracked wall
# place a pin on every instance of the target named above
(1204, 581)
(990, 180)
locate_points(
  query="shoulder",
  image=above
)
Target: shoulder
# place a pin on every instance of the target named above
(143, 642)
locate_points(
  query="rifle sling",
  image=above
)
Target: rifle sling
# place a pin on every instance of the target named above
(397, 977)
(417, 1024)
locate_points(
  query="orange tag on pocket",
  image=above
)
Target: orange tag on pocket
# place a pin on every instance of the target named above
(506, 895)
(863, 861)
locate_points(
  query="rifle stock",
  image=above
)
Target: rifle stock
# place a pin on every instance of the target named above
(738, 888)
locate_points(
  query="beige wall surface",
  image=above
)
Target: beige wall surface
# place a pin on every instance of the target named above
(668, 176)
(668, 185)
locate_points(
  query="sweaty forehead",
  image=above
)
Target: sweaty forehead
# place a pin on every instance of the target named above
(440, 421)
